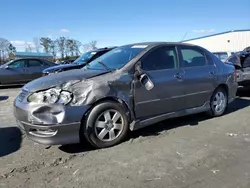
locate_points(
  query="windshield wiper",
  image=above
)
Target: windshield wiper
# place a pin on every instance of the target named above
(105, 66)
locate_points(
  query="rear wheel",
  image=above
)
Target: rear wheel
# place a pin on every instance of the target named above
(218, 102)
(106, 125)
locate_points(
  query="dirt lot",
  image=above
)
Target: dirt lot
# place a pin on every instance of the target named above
(189, 152)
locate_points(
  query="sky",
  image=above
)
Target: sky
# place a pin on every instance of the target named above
(118, 22)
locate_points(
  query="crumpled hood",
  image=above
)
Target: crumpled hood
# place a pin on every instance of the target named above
(60, 78)
(54, 68)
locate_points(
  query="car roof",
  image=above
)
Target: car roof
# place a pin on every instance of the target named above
(148, 44)
(161, 43)
(219, 52)
(27, 58)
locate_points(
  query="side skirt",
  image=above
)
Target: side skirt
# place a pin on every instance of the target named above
(152, 120)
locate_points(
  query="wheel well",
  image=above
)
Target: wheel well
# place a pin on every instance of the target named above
(113, 99)
(224, 86)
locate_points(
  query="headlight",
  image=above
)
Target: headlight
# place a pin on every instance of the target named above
(51, 96)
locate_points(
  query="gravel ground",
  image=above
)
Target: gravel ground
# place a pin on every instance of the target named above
(188, 152)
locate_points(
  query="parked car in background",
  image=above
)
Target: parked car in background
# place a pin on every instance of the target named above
(222, 55)
(21, 71)
(79, 62)
(241, 62)
(129, 87)
(247, 49)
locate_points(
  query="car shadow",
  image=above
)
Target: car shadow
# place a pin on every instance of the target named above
(11, 87)
(158, 128)
(77, 148)
(3, 98)
(10, 140)
(243, 92)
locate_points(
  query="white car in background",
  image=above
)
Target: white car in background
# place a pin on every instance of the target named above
(223, 56)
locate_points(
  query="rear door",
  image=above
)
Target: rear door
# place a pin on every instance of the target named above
(160, 67)
(199, 75)
(35, 68)
(16, 73)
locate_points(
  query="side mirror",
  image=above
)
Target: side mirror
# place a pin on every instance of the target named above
(146, 82)
(6, 67)
(143, 77)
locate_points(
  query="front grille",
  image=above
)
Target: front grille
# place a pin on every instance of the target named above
(22, 95)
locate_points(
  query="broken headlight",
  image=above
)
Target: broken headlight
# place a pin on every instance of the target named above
(51, 96)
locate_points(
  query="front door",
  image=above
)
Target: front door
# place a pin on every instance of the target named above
(15, 73)
(159, 89)
(199, 75)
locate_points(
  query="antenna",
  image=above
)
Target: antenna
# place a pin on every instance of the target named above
(184, 36)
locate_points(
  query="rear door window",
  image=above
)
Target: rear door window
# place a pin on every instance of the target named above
(192, 57)
(35, 63)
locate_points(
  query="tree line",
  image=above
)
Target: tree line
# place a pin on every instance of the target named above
(61, 47)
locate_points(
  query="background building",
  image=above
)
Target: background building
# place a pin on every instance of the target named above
(14, 55)
(230, 41)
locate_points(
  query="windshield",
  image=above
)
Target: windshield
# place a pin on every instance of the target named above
(3, 65)
(84, 57)
(116, 58)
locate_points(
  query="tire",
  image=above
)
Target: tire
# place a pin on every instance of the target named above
(218, 111)
(102, 130)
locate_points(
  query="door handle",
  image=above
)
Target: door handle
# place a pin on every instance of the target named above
(178, 76)
(212, 72)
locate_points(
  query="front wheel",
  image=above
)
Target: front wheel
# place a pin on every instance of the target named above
(106, 125)
(218, 102)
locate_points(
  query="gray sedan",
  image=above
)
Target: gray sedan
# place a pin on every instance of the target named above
(127, 88)
(21, 71)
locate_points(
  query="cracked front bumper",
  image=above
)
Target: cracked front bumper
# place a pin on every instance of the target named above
(50, 124)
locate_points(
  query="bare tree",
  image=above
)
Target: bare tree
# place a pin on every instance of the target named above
(4, 49)
(92, 45)
(53, 48)
(37, 44)
(76, 47)
(45, 42)
(28, 47)
(69, 47)
(72, 47)
(61, 42)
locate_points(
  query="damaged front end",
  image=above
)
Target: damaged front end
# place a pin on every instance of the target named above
(47, 116)
(54, 115)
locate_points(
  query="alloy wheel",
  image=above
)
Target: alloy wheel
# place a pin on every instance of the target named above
(109, 125)
(219, 102)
